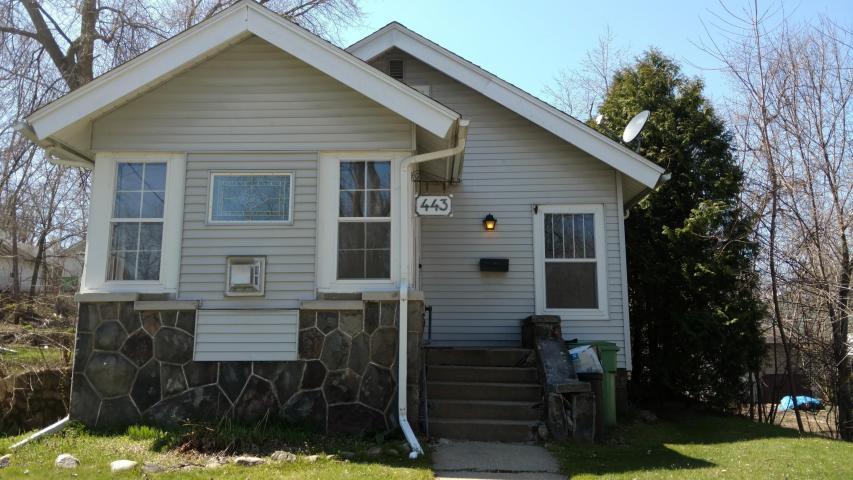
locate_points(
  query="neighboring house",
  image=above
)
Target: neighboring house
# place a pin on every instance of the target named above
(26, 263)
(60, 271)
(774, 381)
(253, 246)
(72, 260)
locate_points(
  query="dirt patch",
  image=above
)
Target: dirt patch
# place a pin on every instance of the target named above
(818, 422)
(821, 422)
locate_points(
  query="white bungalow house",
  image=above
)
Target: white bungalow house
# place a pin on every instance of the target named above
(271, 215)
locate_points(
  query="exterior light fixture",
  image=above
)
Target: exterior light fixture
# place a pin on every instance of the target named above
(489, 222)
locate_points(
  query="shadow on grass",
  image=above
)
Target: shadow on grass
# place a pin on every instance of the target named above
(644, 447)
(231, 438)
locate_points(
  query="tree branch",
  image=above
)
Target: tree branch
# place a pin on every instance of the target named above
(18, 31)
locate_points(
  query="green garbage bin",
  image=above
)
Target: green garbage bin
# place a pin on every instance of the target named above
(607, 355)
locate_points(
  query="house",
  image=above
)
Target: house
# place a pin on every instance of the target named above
(71, 259)
(60, 271)
(253, 247)
(61, 267)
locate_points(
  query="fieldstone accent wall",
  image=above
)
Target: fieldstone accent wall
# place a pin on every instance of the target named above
(33, 399)
(136, 367)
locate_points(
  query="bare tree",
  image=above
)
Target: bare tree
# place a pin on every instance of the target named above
(580, 91)
(791, 114)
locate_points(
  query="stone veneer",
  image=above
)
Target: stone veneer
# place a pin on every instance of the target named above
(137, 367)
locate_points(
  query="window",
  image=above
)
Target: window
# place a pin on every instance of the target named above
(136, 227)
(250, 197)
(358, 211)
(364, 220)
(570, 260)
(133, 242)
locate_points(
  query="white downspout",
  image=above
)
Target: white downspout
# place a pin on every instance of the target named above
(405, 274)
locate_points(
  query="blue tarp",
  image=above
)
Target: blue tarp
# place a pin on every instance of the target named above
(803, 402)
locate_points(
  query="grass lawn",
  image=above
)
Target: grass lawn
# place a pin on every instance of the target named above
(96, 450)
(28, 357)
(702, 446)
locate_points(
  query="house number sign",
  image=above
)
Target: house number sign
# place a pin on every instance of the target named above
(433, 205)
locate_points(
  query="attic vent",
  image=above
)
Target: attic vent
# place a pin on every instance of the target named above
(395, 69)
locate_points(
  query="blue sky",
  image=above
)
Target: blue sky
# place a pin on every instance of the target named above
(529, 42)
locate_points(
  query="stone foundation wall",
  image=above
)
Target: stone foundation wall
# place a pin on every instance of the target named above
(33, 399)
(136, 367)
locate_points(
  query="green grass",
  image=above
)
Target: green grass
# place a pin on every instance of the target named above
(702, 446)
(96, 450)
(28, 357)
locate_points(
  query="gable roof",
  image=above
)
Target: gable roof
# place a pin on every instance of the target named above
(233, 24)
(395, 35)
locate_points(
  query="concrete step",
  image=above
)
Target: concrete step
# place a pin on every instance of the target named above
(484, 410)
(456, 373)
(483, 357)
(488, 430)
(507, 392)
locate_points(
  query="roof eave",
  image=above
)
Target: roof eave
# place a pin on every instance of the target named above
(395, 35)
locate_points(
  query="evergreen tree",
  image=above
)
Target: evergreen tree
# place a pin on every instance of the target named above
(694, 312)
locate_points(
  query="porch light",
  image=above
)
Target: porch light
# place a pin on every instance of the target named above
(489, 222)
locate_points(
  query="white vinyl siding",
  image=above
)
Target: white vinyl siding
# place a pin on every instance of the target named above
(246, 335)
(289, 248)
(510, 166)
(252, 97)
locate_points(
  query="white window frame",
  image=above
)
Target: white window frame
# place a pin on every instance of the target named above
(95, 271)
(327, 226)
(600, 258)
(249, 173)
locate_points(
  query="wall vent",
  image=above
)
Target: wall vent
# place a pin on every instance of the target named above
(244, 276)
(395, 69)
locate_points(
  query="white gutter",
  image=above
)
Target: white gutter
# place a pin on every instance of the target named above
(643, 194)
(405, 274)
(57, 153)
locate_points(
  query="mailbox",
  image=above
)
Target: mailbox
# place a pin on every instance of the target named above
(494, 264)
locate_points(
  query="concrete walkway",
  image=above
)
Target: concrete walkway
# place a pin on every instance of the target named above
(493, 461)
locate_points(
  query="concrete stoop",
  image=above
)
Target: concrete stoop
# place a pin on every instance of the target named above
(493, 461)
(490, 394)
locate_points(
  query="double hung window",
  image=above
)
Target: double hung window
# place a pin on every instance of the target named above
(570, 261)
(364, 220)
(136, 225)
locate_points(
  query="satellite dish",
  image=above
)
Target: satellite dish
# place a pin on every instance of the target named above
(599, 119)
(635, 126)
